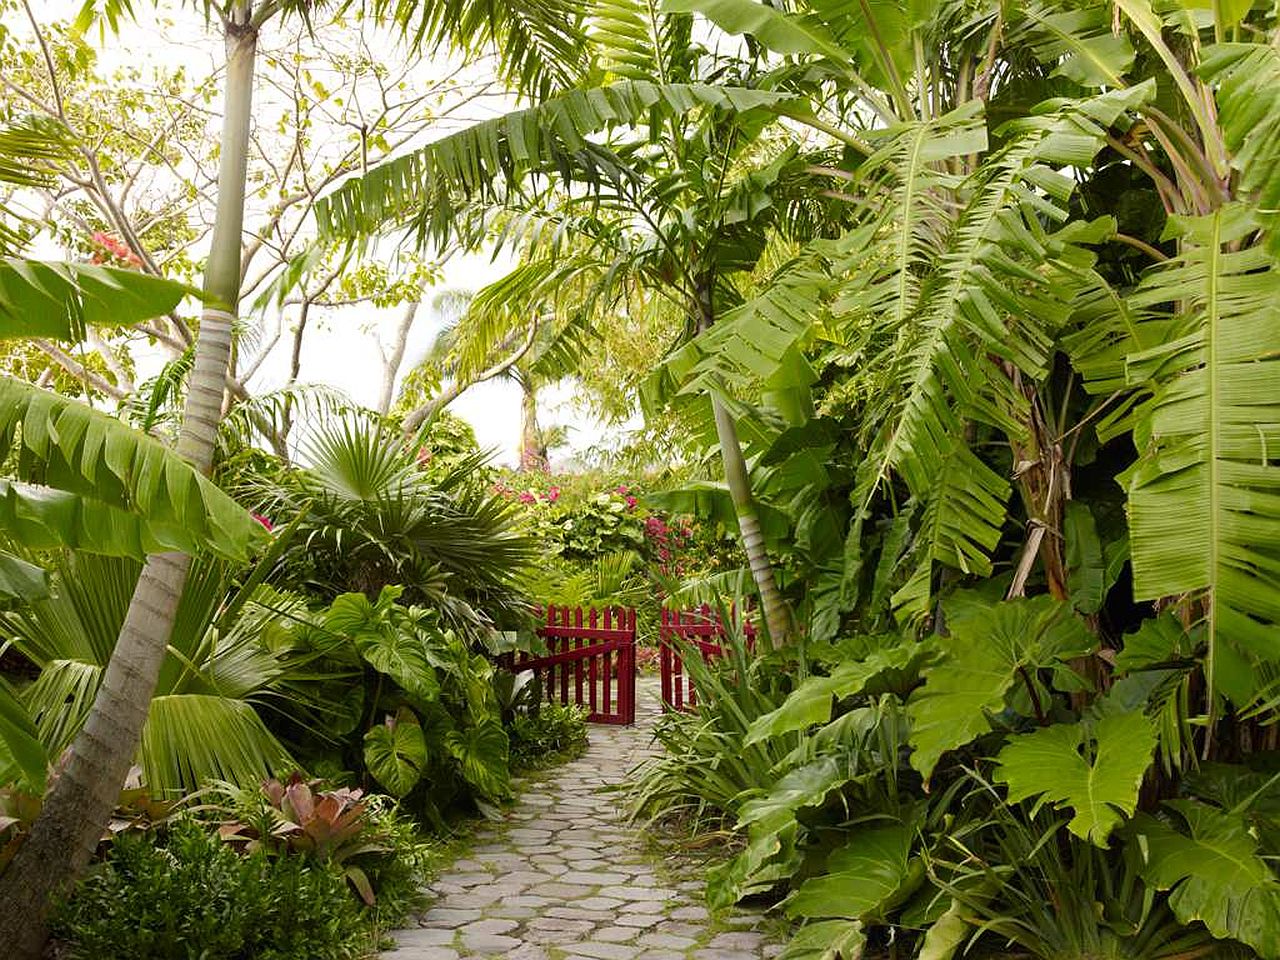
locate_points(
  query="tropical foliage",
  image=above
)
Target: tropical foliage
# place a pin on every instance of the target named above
(963, 315)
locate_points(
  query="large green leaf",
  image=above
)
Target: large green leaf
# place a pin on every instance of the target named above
(1100, 785)
(869, 874)
(396, 752)
(826, 940)
(41, 518)
(1247, 76)
(810, 703)
(477, 161)
(1081, 44)
(58, 300)
(1214, 875)
(20, 580)
(20, 748)
(66, 445)
(988, 652)
(1204, 496)
(481, 751)
(191, 739)
(804, 786)
(390, 647)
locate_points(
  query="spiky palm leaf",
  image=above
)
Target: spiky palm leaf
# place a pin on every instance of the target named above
(488, 159)
(202, 724)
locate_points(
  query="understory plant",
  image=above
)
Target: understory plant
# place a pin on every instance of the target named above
(190, 896)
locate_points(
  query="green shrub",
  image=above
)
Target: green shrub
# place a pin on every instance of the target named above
(547, 735)
(187, 895)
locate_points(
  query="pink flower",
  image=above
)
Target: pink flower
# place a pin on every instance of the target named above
(631, 503)
(264, 521)
(553, 495)
(622, 488)
(528, 497)
(664, 554)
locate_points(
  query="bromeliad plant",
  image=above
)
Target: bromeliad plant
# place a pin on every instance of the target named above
(297, 817)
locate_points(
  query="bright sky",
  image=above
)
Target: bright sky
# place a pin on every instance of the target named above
(340, 348)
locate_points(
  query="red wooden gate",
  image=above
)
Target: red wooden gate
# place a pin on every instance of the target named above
(699, 628)
(590, 661)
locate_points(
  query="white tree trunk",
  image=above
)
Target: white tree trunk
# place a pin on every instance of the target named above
(79, 803)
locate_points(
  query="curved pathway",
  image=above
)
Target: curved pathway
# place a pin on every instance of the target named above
(563, 877)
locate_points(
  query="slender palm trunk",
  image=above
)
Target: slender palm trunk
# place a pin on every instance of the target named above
(736, 477)
(533, 452)
(80, 800)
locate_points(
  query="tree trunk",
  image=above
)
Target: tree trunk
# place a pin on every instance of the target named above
(392, 361)
(79, 802)
(533, 451)
(736, 477)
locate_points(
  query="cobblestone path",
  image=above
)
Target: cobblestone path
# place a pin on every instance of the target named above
(563, 877)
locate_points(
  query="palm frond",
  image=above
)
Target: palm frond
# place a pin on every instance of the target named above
(538, 42)
(485, 160)
(70, 447)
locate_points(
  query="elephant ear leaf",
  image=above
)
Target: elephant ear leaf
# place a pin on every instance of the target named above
(810, 703)
(391, 648)
(20, 745)
(1095, 769)
(989, 650)
(396, 753)
(481, 752)
(864, 879)
(1214, 874)
(827, 940)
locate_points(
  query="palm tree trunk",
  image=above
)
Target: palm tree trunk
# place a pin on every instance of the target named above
(736, 477)
(80, 800)
(533, 452)
(738, 480)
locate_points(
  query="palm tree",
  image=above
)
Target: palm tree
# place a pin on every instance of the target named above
(533, 44)
(680, 209)
(368, 517)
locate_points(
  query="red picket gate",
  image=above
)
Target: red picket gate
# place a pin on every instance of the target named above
(585, 656)
(701, 629)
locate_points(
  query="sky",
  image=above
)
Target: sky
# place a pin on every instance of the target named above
(340, 349)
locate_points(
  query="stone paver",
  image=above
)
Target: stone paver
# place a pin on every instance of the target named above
(563, 876)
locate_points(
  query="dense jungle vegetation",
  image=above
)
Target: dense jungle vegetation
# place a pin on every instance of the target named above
(955, 326)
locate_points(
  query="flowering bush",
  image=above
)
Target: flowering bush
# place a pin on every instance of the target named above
(582, 518)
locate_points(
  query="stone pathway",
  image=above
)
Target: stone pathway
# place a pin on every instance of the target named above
(563, 877)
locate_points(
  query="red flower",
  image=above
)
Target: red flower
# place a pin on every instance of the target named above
(528, 497)
(631, 503)
(264, 521)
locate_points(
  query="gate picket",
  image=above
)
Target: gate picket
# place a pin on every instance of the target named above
(606, 649)
(700, 628)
